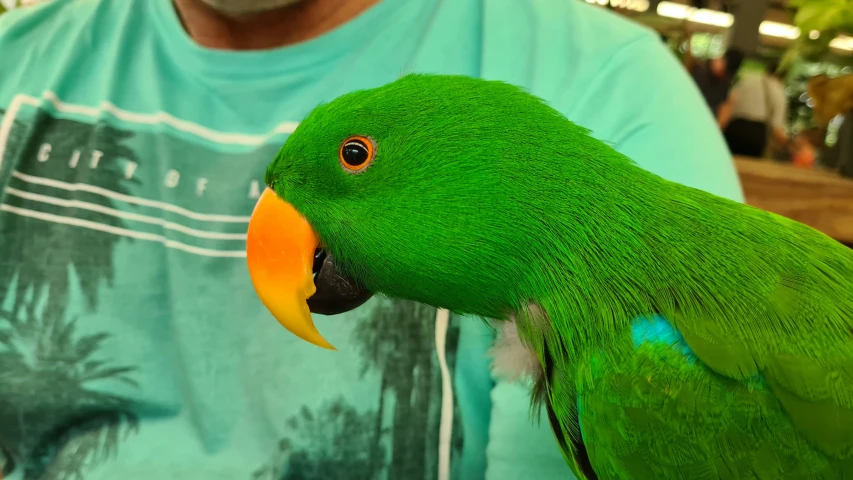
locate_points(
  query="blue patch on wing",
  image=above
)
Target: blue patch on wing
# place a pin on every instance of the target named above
(651, 329)
(655, 329)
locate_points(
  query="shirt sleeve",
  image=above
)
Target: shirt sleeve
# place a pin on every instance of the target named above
(737, 92)
(780, 105)
(643, 102)
(656, 116)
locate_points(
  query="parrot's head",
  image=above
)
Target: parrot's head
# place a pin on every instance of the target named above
(429, 188)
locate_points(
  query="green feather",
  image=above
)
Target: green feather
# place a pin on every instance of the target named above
(484, 200)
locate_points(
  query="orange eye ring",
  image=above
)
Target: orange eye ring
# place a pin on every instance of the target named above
(357, 153)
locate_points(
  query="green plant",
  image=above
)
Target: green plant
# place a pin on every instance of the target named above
(828, 18)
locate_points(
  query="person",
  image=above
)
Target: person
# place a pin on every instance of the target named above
(759, 113)
(714, 79)
(134, 136)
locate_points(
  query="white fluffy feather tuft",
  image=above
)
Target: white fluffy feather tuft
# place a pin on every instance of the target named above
(511, 359)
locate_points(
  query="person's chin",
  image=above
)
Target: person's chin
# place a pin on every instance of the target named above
(248, 7)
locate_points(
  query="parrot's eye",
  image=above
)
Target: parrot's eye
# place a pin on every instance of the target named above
(356, 153)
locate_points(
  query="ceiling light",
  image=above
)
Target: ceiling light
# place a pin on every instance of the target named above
(781, 30)
(674, 10)
(633, 5)
(842, 42)
(696, 15)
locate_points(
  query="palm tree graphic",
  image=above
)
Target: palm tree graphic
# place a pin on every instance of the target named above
(329, 444)
(397, 340)
(53, 423)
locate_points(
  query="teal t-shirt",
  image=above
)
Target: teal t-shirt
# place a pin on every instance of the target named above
(132, 345)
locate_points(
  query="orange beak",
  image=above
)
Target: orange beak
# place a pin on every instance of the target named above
(280, 252)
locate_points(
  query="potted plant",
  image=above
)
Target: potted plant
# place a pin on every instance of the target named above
(820, 22)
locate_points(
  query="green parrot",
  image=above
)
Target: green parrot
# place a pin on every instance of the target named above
(669, 333)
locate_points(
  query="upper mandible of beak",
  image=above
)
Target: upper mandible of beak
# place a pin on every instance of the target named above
(280, 252)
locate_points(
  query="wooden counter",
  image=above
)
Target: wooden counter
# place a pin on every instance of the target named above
(819, 199)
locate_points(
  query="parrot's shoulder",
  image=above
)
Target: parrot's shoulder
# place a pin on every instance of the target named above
(786, 316)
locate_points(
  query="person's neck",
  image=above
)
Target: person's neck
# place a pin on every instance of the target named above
(276, 28)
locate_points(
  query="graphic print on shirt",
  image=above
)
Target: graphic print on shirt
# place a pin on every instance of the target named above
(397, 440)
(47, 364)
(97, 202)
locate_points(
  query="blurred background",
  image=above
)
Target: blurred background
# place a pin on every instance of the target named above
(768, 33)
(757, 60)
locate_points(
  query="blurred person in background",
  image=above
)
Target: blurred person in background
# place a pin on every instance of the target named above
(714, 79)
(759, 113)
(134, 136)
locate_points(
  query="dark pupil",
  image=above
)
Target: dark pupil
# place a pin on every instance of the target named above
(355, 153)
